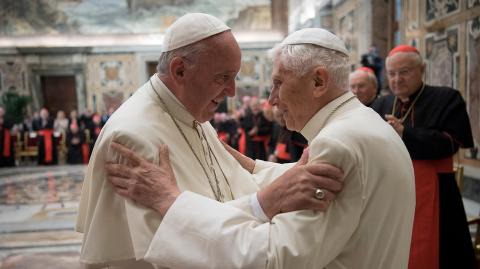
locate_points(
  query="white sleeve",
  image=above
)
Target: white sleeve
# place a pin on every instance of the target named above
(223, 236)
(265, 173)
(198, 232)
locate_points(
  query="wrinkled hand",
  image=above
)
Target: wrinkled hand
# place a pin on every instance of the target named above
(145, 183)
(295, 189)
(396, 123)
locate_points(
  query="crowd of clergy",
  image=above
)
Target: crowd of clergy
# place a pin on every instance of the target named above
(44, 140)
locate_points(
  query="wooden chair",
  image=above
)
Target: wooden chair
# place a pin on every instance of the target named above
(26, 146)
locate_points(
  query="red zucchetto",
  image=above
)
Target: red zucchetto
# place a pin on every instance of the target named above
(366, 69)
(403, 48)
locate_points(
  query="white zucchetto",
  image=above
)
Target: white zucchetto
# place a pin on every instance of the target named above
(316, 36)
(191, 28)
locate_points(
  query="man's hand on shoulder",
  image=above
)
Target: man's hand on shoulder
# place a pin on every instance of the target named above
(145, 183)
(303, 187)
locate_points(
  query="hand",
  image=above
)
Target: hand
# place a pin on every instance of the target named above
(145, 183)
(246, 162)
(295, 189)
(396, 123)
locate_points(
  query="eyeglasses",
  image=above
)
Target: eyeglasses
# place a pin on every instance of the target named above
(402, 72)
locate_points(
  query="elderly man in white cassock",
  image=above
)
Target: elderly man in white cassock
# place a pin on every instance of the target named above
(197, 68)
(368, 225)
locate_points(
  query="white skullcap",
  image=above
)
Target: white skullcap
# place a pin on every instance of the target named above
(190, 28)
(316, 36)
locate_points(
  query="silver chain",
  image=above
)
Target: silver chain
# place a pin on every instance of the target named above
(216, 191)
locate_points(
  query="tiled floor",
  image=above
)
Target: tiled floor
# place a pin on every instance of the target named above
(38, 207)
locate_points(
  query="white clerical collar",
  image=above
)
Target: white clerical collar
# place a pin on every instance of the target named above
(176, 108)
(317, 122)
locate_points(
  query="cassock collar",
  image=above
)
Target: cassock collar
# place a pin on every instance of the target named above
(413, 95)
(176, 108)
(315, 124)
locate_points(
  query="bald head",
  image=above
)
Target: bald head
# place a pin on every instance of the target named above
(364, 85)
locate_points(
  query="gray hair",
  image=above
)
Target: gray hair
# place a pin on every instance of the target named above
(370, 76)
(413, 55)
(190, 52)
(303, 57)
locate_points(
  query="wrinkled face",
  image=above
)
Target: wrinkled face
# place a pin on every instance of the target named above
(212, 77)
(362, 87)
(404, 73)
(290, 93)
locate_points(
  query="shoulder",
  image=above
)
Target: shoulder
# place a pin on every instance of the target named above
(383, 103)
(444, 95)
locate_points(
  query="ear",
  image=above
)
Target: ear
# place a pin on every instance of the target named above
(177, 68)
(321, 80)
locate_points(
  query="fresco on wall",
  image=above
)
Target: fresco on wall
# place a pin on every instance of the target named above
(473, 80)
(473, 3)
(442, 58)
(110, 77)
(437, 9)
(12, 75)
(54, 17)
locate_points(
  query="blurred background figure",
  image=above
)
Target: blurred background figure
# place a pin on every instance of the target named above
(61, 122)
(372, 60)
(47, 143)
(280, 144)
(75, 140)
(259, 133)
(7, 152)
(363, 84)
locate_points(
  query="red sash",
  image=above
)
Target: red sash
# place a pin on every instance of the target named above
(48, 144)
(242, 142)
(281, 150)
(85, 152)
(424, 249)
(223, 136)
(262, 138)
(6, 143)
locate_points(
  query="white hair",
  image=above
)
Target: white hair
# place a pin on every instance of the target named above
(370, 76)
(303, 57)
(191, 52)
(413, 55)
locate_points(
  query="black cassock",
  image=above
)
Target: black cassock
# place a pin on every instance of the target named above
(435, 128)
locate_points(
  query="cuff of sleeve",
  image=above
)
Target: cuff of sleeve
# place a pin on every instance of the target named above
(257, 208)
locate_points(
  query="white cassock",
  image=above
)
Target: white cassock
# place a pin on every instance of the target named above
(368, 226)
(117, 232)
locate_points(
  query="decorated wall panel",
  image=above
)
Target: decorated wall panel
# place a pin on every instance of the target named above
(110, 80)
(254, 76)
(473, 79)
(13, 75)
(442, 58)
(438, 9)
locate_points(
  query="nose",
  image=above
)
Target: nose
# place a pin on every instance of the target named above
(273, 98)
